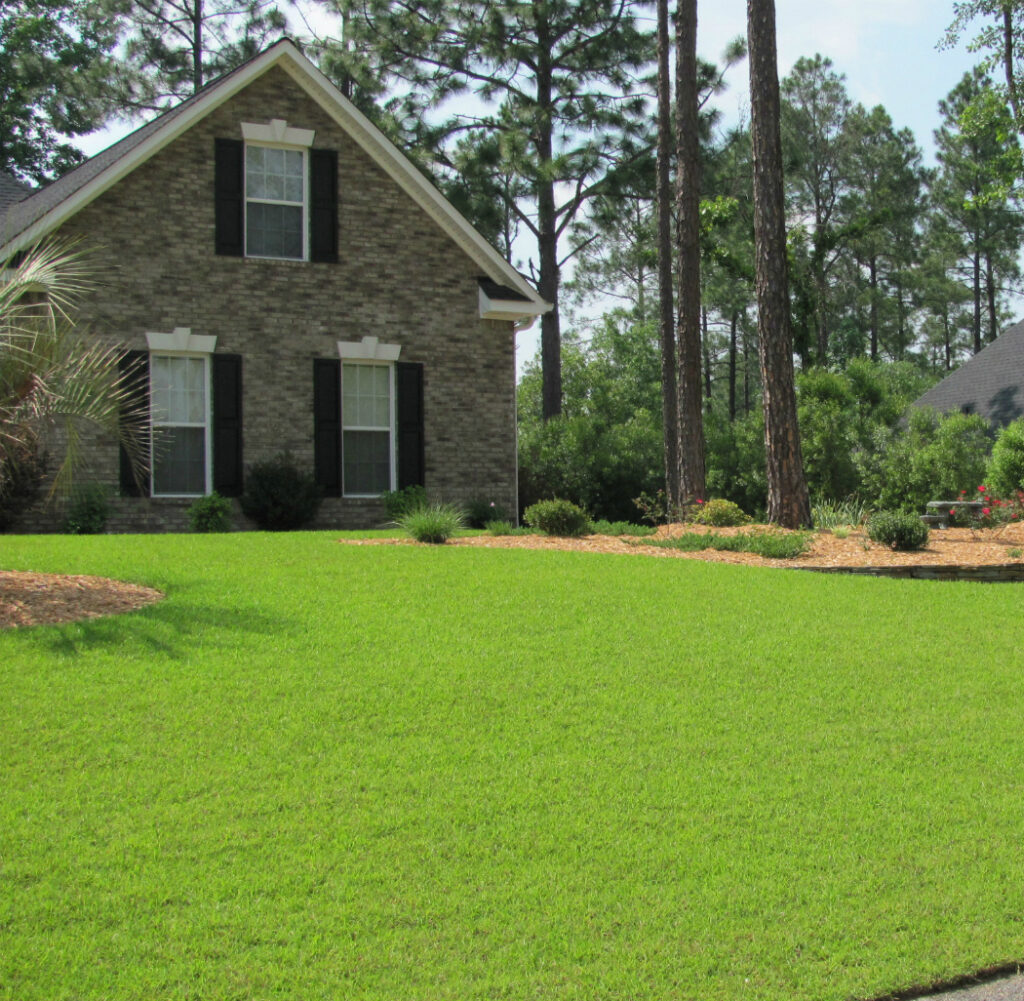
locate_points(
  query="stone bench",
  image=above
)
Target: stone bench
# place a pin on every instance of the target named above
(938, 511)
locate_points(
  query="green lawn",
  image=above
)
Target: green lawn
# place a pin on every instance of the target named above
(339, 772)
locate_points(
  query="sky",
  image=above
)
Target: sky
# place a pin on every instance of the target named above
(887, 50)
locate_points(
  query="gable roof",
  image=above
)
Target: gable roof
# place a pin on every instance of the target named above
(24, 220)
(11, 191)
(991, 383)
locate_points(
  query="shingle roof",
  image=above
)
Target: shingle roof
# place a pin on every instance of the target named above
(991, 383)
(11, 191)
(16, 217)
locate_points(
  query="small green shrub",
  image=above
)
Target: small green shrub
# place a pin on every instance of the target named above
(433, 523)
(88, 510)
(505, 528)
(557, 517)
(621, 528)
(1006, 467)
(211, 513)
(719, 513)
(480, 511)
(841, 531)
(22, 471)
(898, 530)
(279, 497)
(771, 545)
(399, 503)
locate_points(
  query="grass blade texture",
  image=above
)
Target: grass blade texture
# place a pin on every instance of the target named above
(329, 771)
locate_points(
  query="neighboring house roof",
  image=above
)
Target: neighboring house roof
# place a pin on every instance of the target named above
(11, 192)
(25, 219)
(990, 384)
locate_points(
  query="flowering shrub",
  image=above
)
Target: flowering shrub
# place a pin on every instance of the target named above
(898, 530)
(994, 512)
(718, 513)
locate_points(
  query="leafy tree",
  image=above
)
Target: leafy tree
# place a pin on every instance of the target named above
(815, 107)
(988, 226)
(559, 88)
(879, 213)
(54, 63)
(50, 375)
(173, 47)
(788, 500)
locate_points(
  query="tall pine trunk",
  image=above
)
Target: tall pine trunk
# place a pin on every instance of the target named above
(990, 292)
(732, 365)
(977, 299)
(691, 418)
(873, 285)
(549, 277)
(666, 303)
(788, 501)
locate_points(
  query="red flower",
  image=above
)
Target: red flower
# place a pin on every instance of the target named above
(962, 492)
(981, 490)
(699, 501)
(986, 510)
(952, 511)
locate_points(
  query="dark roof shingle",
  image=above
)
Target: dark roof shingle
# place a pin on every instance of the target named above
(991, 383)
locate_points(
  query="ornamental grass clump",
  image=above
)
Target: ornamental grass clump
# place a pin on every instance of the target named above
(432, 523)
(557, 517)
(899, 530)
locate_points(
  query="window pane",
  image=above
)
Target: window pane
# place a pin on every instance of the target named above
(178, 388)
(273, 230)
(366, 396)
(367, 462)
(179, 461)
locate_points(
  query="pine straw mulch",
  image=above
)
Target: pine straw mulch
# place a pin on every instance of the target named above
(29, 599)
(34, 599)
(948, 547)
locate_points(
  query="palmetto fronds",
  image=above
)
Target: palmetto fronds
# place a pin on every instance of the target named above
(52, 373)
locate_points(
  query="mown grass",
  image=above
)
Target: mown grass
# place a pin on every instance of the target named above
(326, 771)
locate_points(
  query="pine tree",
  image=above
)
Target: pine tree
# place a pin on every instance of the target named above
(561, 110)
(788, 500)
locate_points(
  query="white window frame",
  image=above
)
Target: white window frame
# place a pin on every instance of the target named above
(304, 204)
(207, 424)
(392, 417)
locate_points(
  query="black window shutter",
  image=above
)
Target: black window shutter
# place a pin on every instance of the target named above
(323, 205)
(327, 424)
(229, 196)
(409, 387)
(227, 425)
(133, 367)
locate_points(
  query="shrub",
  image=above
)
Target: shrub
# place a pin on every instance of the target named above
(557, 517)
(505, 528)
(771, 545)
(88, 510)
(211, 513)
(621, 528)
(399, 503)
(1006, 467)
(719, 513)
(433, 523)
(22, 470)
(898, 530)
(278, 497)
(480, 511)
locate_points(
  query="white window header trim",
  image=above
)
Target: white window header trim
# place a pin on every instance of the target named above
(182, 339)
(368, 349)
(277, 131)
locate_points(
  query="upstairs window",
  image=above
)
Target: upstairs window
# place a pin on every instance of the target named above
(275, 202)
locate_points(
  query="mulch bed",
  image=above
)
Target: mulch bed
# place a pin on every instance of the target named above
(29, 599)
(32, 599)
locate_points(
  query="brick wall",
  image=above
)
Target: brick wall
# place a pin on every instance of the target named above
(399, 278)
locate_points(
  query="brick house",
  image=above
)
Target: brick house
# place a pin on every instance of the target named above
(289, 281)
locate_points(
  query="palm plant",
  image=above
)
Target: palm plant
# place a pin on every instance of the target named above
(51, 374)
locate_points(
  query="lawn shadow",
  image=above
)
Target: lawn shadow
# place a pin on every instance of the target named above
(171, 627)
